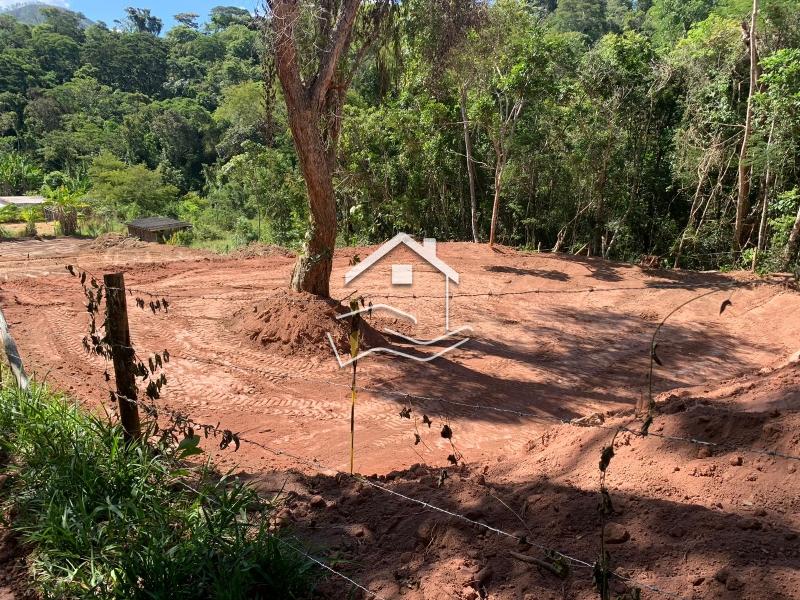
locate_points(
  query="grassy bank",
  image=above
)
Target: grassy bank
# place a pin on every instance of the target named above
(110, 520)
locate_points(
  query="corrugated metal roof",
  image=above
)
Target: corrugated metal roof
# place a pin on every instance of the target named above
(158, 223)
(21, 200)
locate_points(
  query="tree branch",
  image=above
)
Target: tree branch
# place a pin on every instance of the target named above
(337, 45)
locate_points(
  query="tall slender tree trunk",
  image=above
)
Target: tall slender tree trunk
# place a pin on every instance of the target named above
(762, 227)
(502, 147)
(473, 203)
(693, 212)
(498, 178)
(743, 200)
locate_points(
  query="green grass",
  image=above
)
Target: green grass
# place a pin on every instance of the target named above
(110, 520)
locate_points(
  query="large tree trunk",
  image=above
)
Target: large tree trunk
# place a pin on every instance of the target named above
(312, 271)
(743, 200)
(473, 203)
(313, 106)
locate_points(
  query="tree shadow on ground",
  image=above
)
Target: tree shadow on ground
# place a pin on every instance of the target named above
(581, 358)
(606, 270)
(544, 273)
(384, 540)
(687, 544)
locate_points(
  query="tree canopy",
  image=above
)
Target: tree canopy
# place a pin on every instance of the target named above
(605, 127)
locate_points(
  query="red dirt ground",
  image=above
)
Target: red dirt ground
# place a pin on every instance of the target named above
(577, 346)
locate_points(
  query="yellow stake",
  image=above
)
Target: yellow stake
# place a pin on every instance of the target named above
(355, 336)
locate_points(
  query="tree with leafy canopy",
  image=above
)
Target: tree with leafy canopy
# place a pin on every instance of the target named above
(187, 19)
(141, 21)
(129, 191)
(18, 175)
(223, 17)
(585, 16)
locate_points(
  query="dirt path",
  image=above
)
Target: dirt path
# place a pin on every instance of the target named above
(577, 346)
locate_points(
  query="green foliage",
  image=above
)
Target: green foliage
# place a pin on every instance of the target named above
(606, 126)
(243, 232)
(109, 520)
(129, 191)
(30, 216)
(584, 16)
(18, 174)
(670, 20)
(9, 214)
(241, 114)
(182, 238)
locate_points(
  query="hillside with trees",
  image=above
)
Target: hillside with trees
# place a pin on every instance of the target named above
(613, 128)
(587, 385)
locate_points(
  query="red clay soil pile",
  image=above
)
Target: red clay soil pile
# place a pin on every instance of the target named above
(296, 323)
(257, 249)
(116, 240)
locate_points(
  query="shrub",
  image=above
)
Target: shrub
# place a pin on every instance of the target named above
(182, 238)
(30, 227)
(243, 232)
(9, 213)
(114, 520)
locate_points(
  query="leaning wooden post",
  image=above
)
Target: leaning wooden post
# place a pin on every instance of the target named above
(12, 352)
(119, 338)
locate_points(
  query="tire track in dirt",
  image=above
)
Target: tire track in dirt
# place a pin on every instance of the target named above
(558, 354)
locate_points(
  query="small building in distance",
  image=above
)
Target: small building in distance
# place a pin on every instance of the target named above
(156, 229)
(23, 202)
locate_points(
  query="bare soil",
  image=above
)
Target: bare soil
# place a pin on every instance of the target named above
(116, 240)
(14, 576)
(296, 324)
(568, 339)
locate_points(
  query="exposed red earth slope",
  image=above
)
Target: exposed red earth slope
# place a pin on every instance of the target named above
(570, 340)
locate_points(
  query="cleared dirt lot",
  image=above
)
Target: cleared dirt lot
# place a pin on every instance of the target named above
(577, 346)
(554, 338)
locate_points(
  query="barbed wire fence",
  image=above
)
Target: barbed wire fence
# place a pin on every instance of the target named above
(186, 425)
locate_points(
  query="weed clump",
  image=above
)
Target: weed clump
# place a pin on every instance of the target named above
(110, 519)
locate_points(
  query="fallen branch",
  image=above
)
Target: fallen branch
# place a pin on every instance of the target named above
(556, 570)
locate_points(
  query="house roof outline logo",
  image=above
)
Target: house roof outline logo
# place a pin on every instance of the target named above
(426, 252)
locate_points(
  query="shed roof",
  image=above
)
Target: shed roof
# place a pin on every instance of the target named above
(158, 224)
(21, 200)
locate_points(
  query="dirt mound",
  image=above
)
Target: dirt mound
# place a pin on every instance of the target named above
(116, 240)
(257, 249)
(297, 323)
(702, 522)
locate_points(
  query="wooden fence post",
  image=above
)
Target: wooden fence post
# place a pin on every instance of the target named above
(14, 359)
(120, 340)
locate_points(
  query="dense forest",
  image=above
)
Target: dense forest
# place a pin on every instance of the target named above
(615, 128)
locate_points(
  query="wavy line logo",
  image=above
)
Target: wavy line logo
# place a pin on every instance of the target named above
(403, 275)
